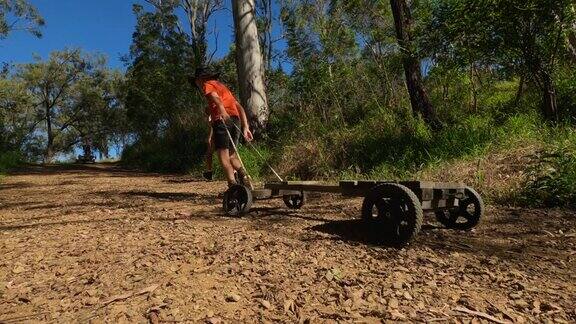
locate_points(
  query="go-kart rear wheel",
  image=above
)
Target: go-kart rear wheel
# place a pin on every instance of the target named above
(395, 211)
(295, 201)
(466, 215)
(237, 201)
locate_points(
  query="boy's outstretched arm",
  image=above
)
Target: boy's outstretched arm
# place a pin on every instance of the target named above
(244, 120)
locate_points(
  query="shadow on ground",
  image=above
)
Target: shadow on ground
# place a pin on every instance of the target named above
(87, 170)
(168, 196)
(359, 231)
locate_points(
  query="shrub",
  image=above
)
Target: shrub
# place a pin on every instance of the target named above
(552, 178)
(177, 152)
(566, 98)
(10, 160)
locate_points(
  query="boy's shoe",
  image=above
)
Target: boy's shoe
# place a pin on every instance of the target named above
(208, 175)
(247, 182)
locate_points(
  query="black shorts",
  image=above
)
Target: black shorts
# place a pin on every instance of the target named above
(221, 138)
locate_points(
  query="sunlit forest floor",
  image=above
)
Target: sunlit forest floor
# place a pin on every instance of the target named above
(102, 244)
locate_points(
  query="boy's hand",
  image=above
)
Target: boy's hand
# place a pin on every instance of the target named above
(248, 135)
(224, 116)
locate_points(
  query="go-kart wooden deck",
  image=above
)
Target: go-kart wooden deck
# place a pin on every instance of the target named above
(395, 206)
(432, 195)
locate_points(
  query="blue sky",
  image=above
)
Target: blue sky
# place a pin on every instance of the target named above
(103, 26)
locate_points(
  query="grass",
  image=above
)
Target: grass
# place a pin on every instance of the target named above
(506, 158)
(9, 160)
(253, 162)
(501, 147)
(552, 176)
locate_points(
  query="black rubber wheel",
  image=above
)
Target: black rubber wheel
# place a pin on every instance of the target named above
(237, 201)
(395, 210)
(295, 201)
(466, 215)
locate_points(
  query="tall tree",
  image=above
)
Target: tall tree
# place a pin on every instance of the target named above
(167, 124)
(418, 97)
(157, 92)
(198, 14)
(571, 35)
(265, 20)
(19, 15)
(17, 117)
(523, 36)
(249, 64)
(95, 114)
(67, 91)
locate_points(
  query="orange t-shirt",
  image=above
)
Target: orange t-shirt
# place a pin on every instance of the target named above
(225, 95)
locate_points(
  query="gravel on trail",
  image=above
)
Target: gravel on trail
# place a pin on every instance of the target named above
(101, 244)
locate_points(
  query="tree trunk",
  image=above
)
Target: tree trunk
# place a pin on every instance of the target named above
(264, 12)
(571, 38)
(571, 42)
(520, 91)
(49, 154)
(549, 106)
(418, 97)
(249, 65)
(473, 89)
(199, 46)
(194, 10)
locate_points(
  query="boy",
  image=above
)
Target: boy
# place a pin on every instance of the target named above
(227, 118)
(208, 174)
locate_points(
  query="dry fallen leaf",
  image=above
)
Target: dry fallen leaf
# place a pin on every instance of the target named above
(288, 264)
(18, 269)
(266, 304)
(232, 298)
(407, 295)
(289, 306)
(397, 315)
(148, 289)
(214, 320)
(153, 317)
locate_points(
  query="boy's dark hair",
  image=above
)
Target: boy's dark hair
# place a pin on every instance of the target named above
(204, 73)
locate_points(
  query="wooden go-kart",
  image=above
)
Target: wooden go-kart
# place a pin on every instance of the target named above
(397, 208)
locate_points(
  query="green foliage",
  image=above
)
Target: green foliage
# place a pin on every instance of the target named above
(67, 101)
(16, 114)
(519, 36)
(165, 113)
(10, 160)
(175, 152)
(255, 164)
(566, 81)
(19, 15)
(552, 178)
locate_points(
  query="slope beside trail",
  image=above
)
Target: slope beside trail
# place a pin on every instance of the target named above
(101, 244)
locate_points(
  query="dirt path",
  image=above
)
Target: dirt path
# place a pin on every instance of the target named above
(105, 245)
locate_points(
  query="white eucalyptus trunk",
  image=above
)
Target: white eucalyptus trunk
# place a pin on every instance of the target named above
(571, 37)
(249, 64)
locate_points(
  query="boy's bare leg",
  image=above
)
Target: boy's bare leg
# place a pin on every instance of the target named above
(242, 174)
(209, 154)
(235, 161)
(208, 174)
(224, 156)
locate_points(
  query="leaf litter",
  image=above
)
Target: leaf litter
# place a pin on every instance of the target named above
(115, 246)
